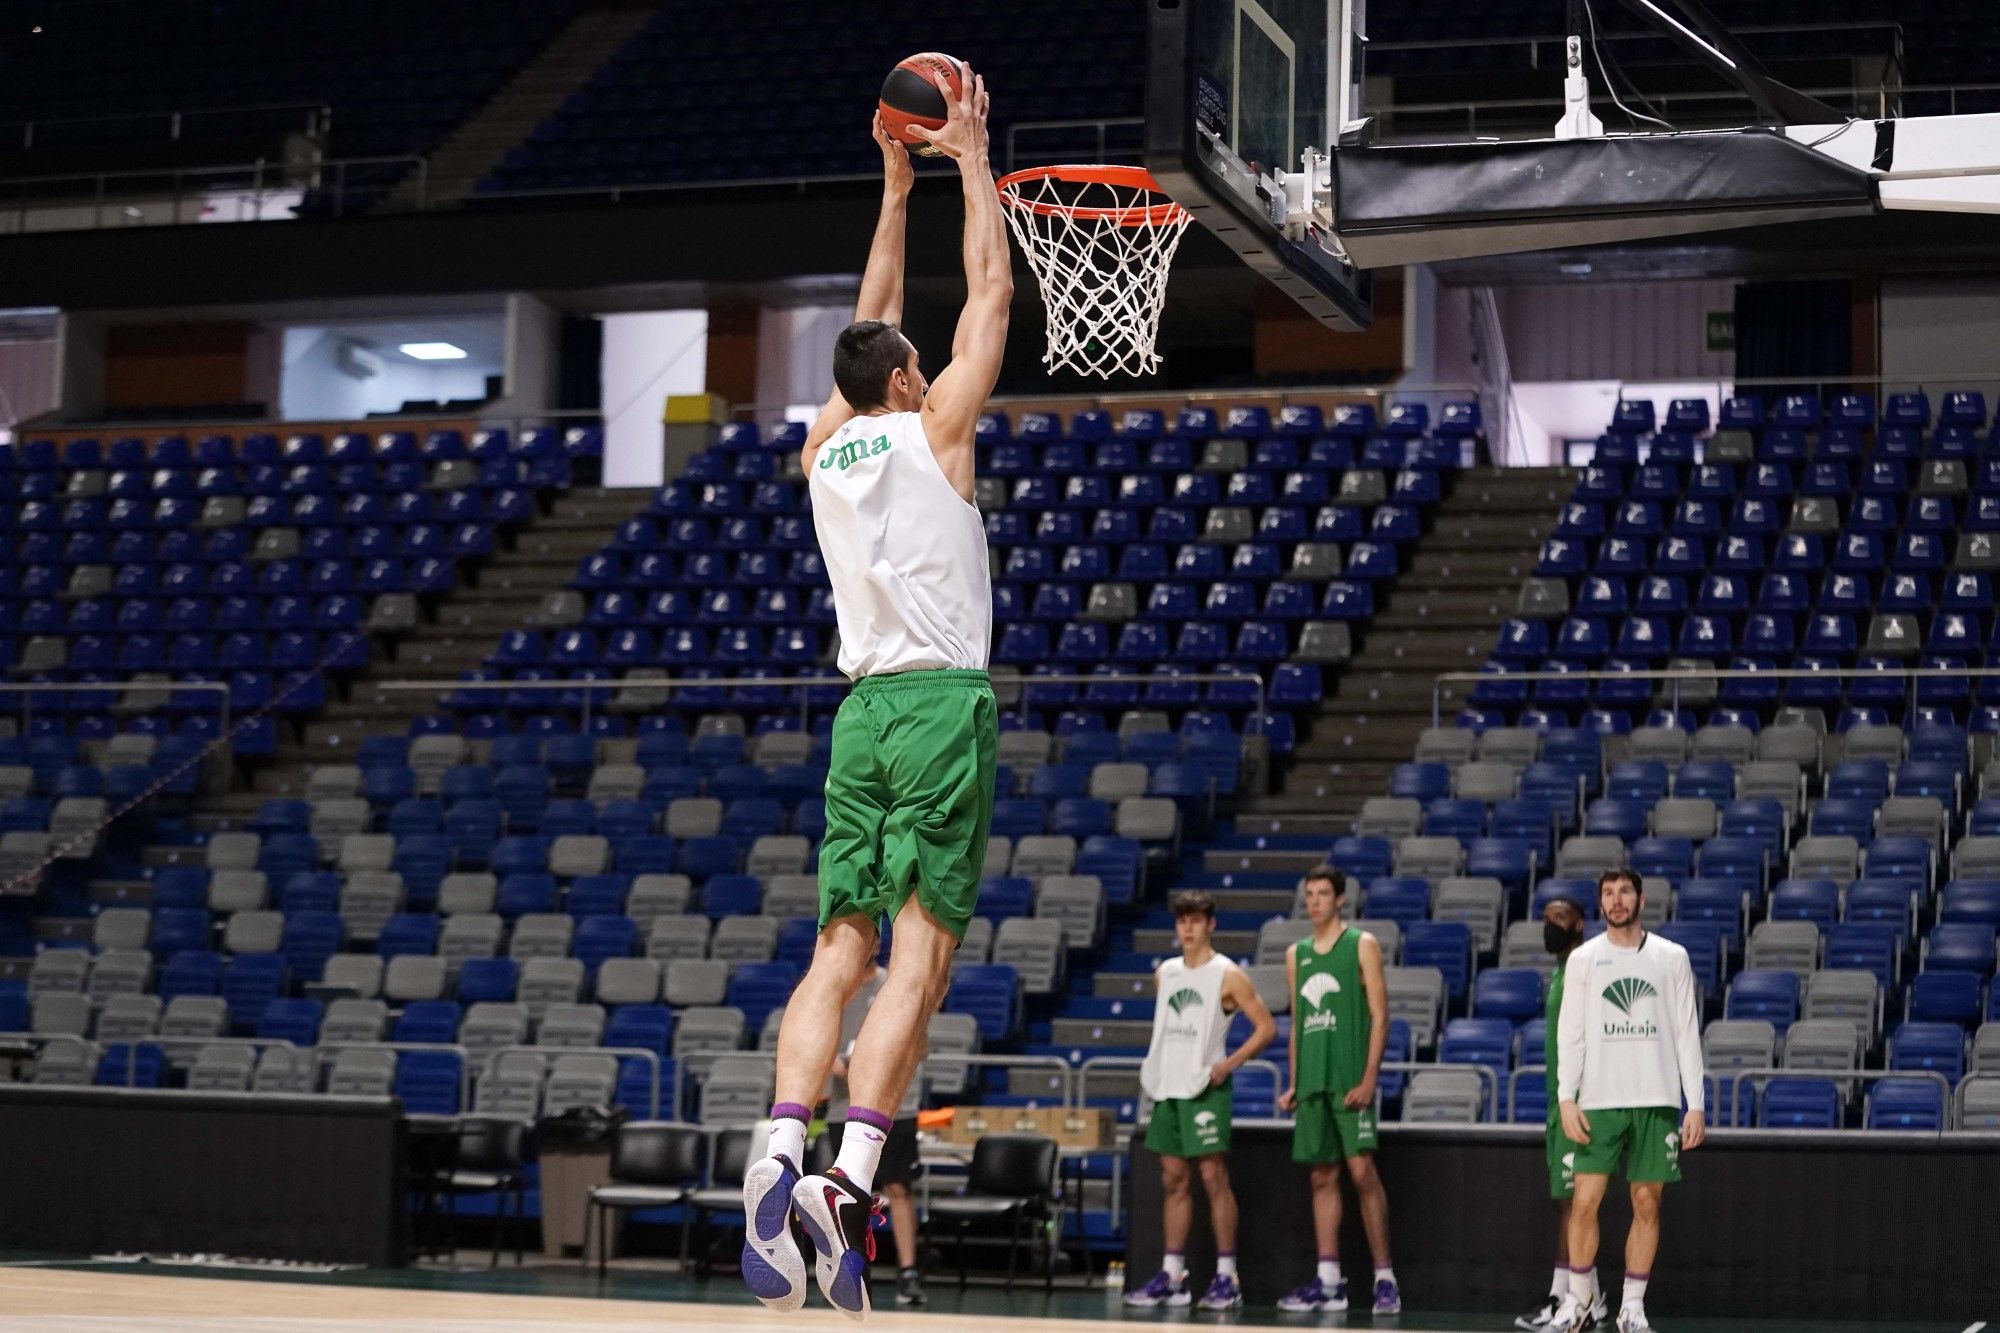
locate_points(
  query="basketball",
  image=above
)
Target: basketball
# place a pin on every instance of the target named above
(910, 96)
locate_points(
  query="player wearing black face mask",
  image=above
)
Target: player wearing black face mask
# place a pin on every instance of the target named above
(1562, 931)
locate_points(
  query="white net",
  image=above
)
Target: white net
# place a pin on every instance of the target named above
(1101, 246)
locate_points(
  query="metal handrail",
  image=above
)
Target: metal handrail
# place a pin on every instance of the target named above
(1679, 675)
(175, 118)
(1002, 678)
(1096, 1062)
(98, 190)
(154, 1039)
(1761, 1076)
(1488, 1078)
(969, 1058)
(464, 1059)
(554, 1053)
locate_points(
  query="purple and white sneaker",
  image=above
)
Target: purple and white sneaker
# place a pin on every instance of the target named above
(839, 1218)
(1314, 1297)
(1171, 1292)
(1222, 1294)
(773, 1269)
(1388, 1297)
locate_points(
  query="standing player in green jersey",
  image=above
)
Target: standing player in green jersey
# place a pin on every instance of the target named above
(1340, 1024)
(1562, 931)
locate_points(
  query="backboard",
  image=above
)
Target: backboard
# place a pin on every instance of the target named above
(1238, 95)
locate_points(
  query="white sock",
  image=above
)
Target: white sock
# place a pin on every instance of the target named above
(860, 1153)
(1384, 1273)
(1582, 1285)
(1225, 1265)
(1329, 1273)
(1635, 1290)
(1559, 1284)
(1174, 1265)
(787, 1140)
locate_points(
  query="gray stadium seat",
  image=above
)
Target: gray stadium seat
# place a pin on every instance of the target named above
(676, 938)
(1824, 1043)
(1847, 993)
(120, 972)
(656, 896)
(1667, 745)
(562, 609)
(468, 892)
(281, 1069)
(1872, 740)
(580, 1080)
(121, 928)
(542, 935)
(949, 1034)
(58, 970)
(1691, 817)
(358, 973)
(1787, 946)
(704, 1032)
(1277, 935)
(1521, 946)
(695, 982)
(1912, 816)
(1780, 780)
(191, 1016)
(1326, 642)
(572, 1024)
(335, 817)
(999, 856)
(1730, 743)
(1115, 782)
(1077, 902)
(1485, 780)
(128, 1018)
(468, 935)
(1430, 858)
(977, 946)
(1826, 856)
(694, 817)
(362, 1073)
(1543, 599)
(237, 891)
(1479, 903)
(1586, 857)
(1734, 1043)
(1044, 854)
(628, 981)
(1362, 488)
(1979, 1102)
(392, 613)
(576, 854)
(1113, 602)
(413, 977)
(549, 981)
(1226, 455)
(431, 756)
(737, 1090)
(222, 1069)
(1392, 817)
(1268, 980)
(1445, 745)
(775, 749)
(745, 939)
(1519, 746)
(254, 932)
(787, 896)
(1986, 1049)
(1417, 996)
(511, 1086)
(1443, 1096)
(779, 854)
(354, 1020)
(1315, 562)
(490, 1025)
(1976, 857)
(233, 851)
(1034, 948)
(616, 782)
(1387, 934)
(368, 900)
(1147, 819)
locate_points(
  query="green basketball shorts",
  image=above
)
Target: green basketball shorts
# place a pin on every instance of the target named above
(1192, 1126)
(909, 796)
(1646, 1140)
(1326, 1131)
(1562, 1156)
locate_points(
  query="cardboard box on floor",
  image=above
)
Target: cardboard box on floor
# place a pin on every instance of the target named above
(1085, 1127)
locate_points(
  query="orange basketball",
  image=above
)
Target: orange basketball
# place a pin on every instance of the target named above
(910, 96)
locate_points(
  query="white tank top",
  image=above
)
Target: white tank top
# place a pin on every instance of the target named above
(1189, 1029)
(905, 552)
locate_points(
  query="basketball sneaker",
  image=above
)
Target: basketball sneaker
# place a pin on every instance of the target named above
(1388, 1297)
(1570, 1317)
(1222, 1294)
(1314, 1297)
(910, 1287)
(773, 1268)
(1541, 1316)
(1632, 1318)
(1171, 1292)
(839, 1220)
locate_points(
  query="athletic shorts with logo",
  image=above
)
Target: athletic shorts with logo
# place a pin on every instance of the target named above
(1645, 1140)
(1326, 1131)
(1562, 1157)
(909, 796)
(1191, 1126)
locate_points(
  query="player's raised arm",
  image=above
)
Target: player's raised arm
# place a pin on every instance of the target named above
(882, 279)
(951, 409)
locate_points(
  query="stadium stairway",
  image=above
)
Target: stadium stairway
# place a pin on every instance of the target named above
(1440, 615)
(511, 585)
(541, 86)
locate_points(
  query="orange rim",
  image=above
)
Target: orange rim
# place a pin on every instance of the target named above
(1131, 178)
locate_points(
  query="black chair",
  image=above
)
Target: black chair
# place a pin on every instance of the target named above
(653, 1164)
(724, 1191)
(492, 1155)
(1013, 1176)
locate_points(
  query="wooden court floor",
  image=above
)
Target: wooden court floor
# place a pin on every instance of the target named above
(101, 1299)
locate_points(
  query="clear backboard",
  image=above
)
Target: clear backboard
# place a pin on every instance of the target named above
(1238, 126)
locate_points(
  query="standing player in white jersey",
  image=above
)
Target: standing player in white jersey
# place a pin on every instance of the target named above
(909, 792)
(1189, 1077)
(1629, 1053)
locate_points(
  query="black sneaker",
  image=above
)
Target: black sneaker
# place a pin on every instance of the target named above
(1542, 1316)
(838, 1217)
(909, 1287)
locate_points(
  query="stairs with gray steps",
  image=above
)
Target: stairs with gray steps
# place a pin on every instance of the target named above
(463, 628)
(1441, 614)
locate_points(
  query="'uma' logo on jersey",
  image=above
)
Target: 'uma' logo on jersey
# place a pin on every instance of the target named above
(1185, 997)
(1627, 991)
(848, 454)
(1318, 986)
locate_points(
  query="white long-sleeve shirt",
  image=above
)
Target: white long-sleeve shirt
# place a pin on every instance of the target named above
(1629, 1033)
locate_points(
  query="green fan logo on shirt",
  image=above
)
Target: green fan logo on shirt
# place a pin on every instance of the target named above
(1628, 991)
(1317, 987)
(1183, 998)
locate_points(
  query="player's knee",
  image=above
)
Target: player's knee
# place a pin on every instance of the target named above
(1173, 1175)
(1326, 1175)
(896, 1191)
(1645, 1205)
(1215, 1172)
(1362, 1169)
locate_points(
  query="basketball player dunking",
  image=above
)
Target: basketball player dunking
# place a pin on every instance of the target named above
(909, 793)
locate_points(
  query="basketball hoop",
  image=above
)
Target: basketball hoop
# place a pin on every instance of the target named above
(1100, 240)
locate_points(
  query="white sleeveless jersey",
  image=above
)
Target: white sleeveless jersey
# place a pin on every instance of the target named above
(905, 552)
(1189, 1029)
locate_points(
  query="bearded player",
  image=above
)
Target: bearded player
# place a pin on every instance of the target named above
(909, 790)
(1629, 1051)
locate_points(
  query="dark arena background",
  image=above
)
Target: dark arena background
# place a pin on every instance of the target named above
(420, 664)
